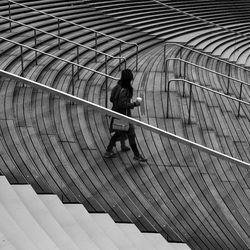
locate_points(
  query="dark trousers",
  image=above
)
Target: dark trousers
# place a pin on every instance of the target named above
(131, 138)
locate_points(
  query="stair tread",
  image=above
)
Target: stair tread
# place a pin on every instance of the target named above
(43, 216)
(161, 244)
(15, 234)
(5, 243)
(24, 219)
(68, 223)
(136, 236)
(107, 224)
(85, 220)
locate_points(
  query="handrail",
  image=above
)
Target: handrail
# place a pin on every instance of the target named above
(202, 53)
(209, 70)
(202, 87)
(65, 39)
(203, 20)
(64, 60)
(78, 25)
(106, 111)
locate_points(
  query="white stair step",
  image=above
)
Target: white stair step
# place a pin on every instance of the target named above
(135, 235)
(5, 244)
(10, 200)
(179, 246)
(15, 234)
(114, 232)
(84, 219)
(159, 242)
(163, 244)
(43, 216)
(67, 222)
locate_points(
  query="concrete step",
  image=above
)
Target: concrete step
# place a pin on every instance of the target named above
(14, 233)
(19, 213)
(67, 222)
(5, 244)
(43, 216)
(161, 244)
(134, 234)
(114, 232)
(85, 220)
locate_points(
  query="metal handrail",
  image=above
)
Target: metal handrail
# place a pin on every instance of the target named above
(202, 53)
(64, 60)
(109, 112)
(203, 20)
(190, 96)
(209, 70)
(78, 25)
(67, 40)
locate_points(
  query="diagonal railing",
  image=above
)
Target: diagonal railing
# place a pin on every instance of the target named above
(78, 45)
(109, 112)
(97, 34)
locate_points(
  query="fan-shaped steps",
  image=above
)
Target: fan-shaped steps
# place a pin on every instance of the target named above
(69, 136)
(177, 155)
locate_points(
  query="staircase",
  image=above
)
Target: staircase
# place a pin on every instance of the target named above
(57, 147)
(31, 221)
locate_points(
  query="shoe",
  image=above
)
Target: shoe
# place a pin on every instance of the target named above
(125, 149)
(109, 154)
(140, 158)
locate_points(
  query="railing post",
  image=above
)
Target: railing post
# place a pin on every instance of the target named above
(184, 70)
(164, 56)
(184, 76)
(189, 108)
(10, 26)
(96, 47)
(165, 66)
(125, 63)
(240, 99)
(180, 53)
(183, 89)
(180, 67)
(137, 52)
(120, 55)
(228, 79)
(168, 98)
(106, 82)
(73, 82)
(35, 37)
(22, 66)
(59, 33)
(78, 62)
(166, 73)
